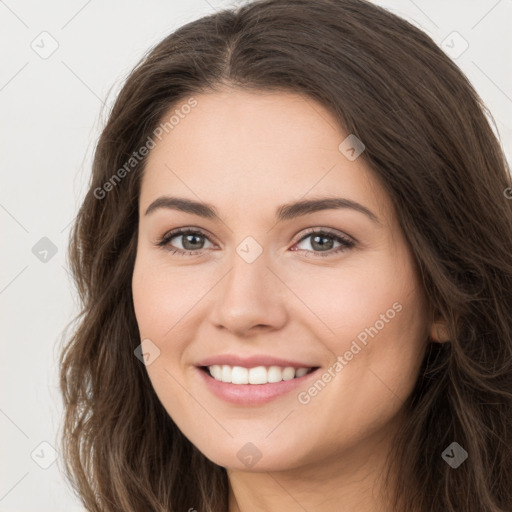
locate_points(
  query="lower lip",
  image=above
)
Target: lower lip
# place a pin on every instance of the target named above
(251, 394)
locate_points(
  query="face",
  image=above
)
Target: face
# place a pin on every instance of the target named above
(329, 286)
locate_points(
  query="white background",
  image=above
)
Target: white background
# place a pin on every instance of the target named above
(51, 111)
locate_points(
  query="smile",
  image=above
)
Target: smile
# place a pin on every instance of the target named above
(252, 386)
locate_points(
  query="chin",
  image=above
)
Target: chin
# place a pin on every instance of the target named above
(249, 457)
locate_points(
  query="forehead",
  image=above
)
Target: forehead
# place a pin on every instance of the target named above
(241, 149)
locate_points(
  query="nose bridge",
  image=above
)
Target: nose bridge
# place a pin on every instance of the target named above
(247, 275)
(249, 295)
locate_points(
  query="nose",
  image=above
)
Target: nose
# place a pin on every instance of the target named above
(249, 298)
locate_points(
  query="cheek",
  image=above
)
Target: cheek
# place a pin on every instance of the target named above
(374, 316)
(163, 296)
(374, 320)
(347, 300)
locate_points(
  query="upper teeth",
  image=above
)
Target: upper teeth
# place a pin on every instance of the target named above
(257, 375)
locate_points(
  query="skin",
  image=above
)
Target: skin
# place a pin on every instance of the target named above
(246, 153)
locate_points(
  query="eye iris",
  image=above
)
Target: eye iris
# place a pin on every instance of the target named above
(186, 240)
(322, 246)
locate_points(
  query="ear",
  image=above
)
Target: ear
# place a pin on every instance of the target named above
(439, 332)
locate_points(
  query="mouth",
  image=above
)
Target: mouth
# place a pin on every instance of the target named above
(248, 387)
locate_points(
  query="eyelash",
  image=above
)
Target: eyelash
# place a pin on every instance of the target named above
(346, 242)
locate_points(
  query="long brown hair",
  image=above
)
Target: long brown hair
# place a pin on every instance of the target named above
(429, 143)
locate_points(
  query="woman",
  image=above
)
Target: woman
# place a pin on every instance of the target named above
(295, 265)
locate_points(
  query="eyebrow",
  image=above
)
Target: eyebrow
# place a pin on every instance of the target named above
(284, 212)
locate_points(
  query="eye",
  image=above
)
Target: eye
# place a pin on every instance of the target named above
(192, 241)
(321, 242)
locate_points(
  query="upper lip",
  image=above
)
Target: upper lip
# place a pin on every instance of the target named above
(252, 361)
